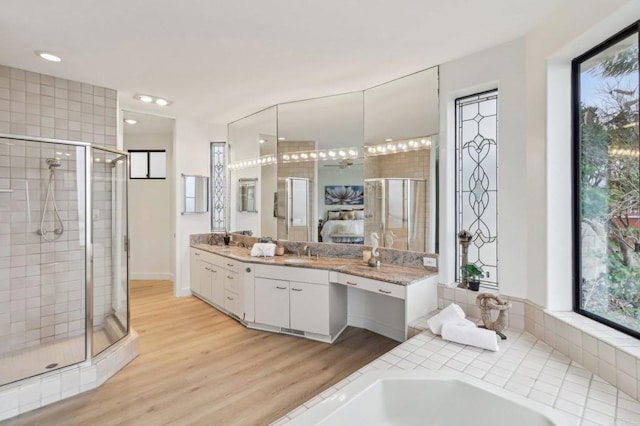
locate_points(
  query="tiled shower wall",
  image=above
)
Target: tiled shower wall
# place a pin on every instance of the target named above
(33, 104)
(41, 283)
(305, 169)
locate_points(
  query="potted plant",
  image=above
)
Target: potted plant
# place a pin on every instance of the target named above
(472, 274)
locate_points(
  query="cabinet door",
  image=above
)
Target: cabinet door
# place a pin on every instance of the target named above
(309, 305)
(217, 285)
(194, 266)
(205, 280)
(272, 302)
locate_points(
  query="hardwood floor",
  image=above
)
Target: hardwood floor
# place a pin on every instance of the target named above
(198, 366)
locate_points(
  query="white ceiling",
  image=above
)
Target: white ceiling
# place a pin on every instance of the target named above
(219, 60)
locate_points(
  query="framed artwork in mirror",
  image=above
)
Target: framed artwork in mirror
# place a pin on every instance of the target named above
(343, 195)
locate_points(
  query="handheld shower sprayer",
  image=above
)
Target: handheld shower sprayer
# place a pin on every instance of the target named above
(58, 229)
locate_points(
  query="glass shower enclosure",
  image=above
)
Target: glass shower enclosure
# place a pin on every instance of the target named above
(64, 295)
(396, 209)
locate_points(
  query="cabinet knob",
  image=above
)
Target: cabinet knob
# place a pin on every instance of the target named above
(229, 298)
(350, 283)
(229, 277)
(384, 291)
(248, 269)
(281, 288)
(296, 289)
(230, 265)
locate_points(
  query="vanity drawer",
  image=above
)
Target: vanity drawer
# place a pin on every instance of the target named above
(232, 281)
(375, 286)
(304, 275)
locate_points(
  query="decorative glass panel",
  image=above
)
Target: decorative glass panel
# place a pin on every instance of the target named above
(607, 226)
(218, 186)
(476, 182)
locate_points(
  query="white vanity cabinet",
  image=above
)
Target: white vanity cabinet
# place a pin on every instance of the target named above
(272, 302)
(309, 307)
(222, 282)
(299, 301)
(387, 308)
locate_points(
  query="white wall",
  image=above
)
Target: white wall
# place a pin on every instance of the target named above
(501, 67)
(192, 142)
(534, 145)
(567, 33)
(150, 221)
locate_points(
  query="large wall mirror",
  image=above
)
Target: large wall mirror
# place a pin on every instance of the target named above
(401, 123)
(322, 125)
(251, 138)
(388, 187)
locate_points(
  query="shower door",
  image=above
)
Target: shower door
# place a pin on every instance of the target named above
(396, 209)
(298, 209)
(110, 299)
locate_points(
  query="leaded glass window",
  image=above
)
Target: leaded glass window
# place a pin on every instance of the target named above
(218, 186)
(477, 182)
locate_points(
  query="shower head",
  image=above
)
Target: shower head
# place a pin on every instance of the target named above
(53, 162)
(115, 161)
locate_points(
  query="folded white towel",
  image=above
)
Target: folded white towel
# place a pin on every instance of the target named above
(263, 249)
(478, 337)
(451, 314)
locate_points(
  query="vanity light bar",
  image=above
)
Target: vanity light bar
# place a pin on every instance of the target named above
(403, 145)
(265, 160)
(322, 154)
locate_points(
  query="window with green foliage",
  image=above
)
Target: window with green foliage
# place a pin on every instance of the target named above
(606, 183)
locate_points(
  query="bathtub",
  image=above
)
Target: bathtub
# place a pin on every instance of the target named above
(427, 398)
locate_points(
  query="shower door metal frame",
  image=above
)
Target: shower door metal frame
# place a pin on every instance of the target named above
(89, 235)
(89, 231)
(406, 188)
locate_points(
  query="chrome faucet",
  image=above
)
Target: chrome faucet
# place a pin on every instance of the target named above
(307, 250)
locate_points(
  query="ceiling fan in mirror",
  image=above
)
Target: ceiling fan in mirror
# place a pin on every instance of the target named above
(343, 164)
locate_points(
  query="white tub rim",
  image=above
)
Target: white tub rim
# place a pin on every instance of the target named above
(343, 396)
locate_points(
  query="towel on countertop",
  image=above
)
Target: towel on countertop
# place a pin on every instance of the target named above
(263, 249)
(451, 314)
(478, 337)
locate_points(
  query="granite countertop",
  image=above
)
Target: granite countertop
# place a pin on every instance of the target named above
(395, 274)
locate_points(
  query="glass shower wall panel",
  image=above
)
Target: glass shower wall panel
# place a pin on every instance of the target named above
(110, 249)
(418, 220)
(42, 257)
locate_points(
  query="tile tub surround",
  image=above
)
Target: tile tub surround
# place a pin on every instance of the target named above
(406, 258)
(466, 299)
(611, 354)
(30, 394)
(524, 365)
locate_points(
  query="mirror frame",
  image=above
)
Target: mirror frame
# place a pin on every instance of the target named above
(205, 194)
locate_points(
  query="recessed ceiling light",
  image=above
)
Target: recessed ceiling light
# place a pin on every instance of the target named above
(262, 141)
(152, 99)
(281, 138)
(48, 56)
(388, 140)
(130, 121)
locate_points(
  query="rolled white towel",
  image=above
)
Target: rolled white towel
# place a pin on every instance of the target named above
(451, 314)
(263, 249)
(478, 337)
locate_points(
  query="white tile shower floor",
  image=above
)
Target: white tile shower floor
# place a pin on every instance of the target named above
(33, 360)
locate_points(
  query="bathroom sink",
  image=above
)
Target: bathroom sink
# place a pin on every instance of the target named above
(298, 260)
